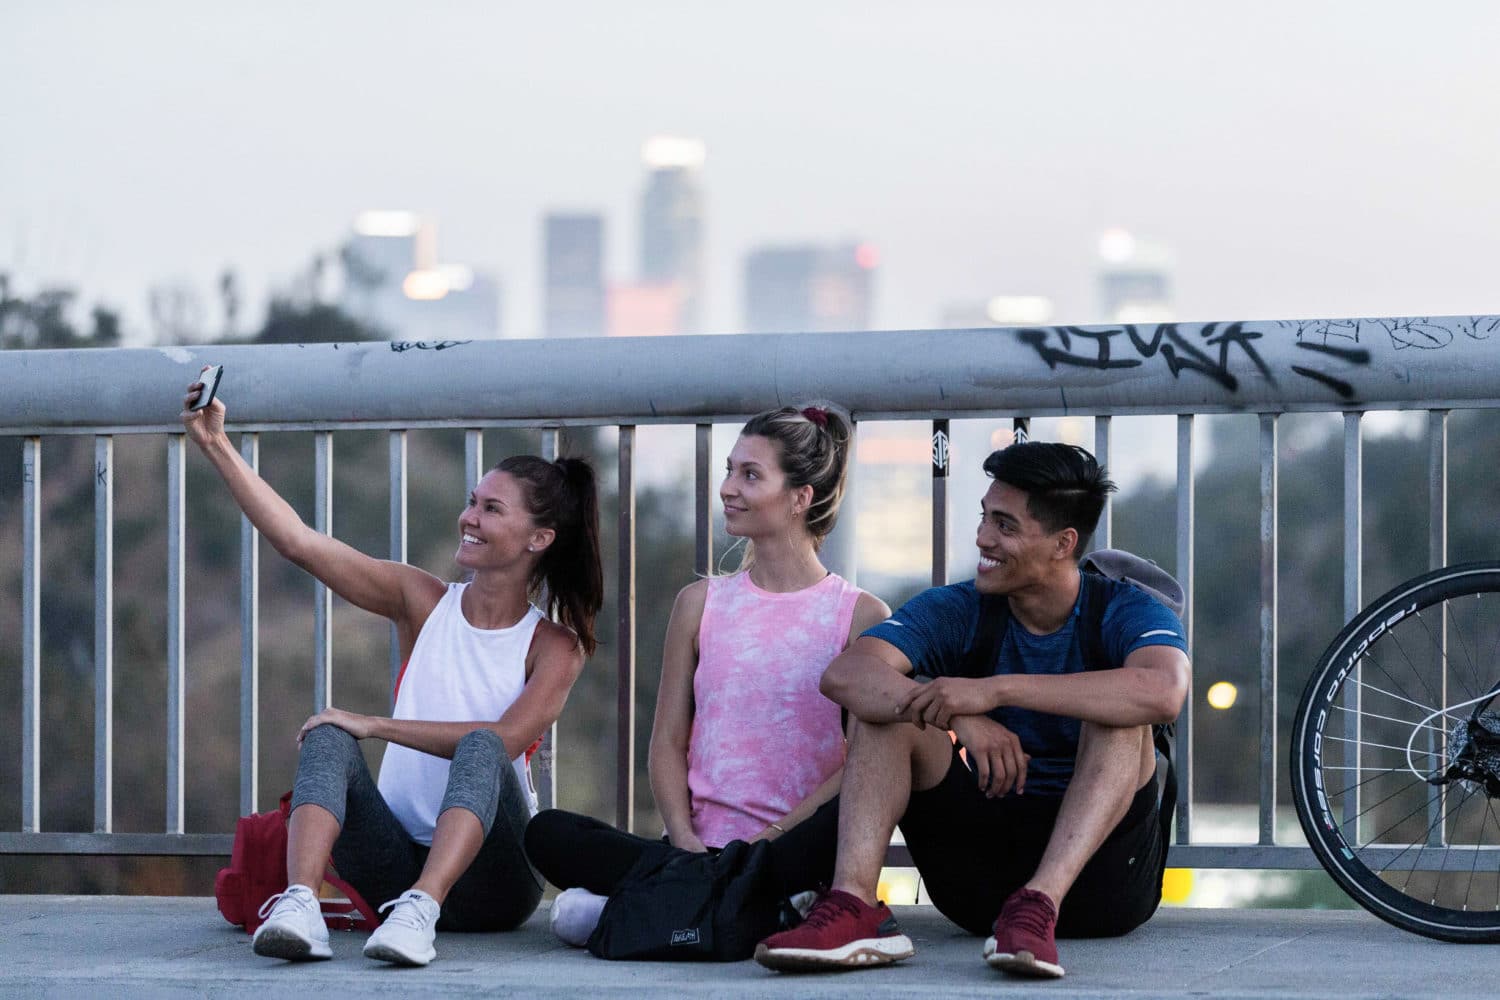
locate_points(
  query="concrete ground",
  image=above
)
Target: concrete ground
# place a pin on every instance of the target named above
(106, 947)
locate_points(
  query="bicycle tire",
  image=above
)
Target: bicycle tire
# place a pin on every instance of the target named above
(1394, 702)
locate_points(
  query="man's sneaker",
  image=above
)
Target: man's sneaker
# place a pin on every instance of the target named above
(575, 914)
(293, 928)
(840, 932)
(406, 936)
(1023, 940)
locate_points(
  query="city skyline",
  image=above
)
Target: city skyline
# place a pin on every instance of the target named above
(1302, 161)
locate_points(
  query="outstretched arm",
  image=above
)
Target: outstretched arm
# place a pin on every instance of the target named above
(673, 725)
(402, 593)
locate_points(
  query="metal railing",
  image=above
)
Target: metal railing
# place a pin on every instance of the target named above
(1264, 368)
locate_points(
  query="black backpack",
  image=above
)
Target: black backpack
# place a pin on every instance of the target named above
(1110, 564)
(681, 906)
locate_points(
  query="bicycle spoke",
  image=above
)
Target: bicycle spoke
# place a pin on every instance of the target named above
(1426, 709)
(1363, 714)
(1421, 678)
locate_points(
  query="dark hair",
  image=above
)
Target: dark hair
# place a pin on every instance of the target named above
(562, 495)
(1065, 486)
(812, 443)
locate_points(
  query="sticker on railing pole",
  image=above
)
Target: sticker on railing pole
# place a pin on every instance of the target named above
(939, 449)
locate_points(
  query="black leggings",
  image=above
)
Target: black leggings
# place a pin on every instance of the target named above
(374, 854)
(573, 850)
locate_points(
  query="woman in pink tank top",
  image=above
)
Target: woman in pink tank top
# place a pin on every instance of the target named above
(743, 745)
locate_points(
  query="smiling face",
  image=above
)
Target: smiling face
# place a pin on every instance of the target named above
(757, 498)
(1015, 551)
(495, 528)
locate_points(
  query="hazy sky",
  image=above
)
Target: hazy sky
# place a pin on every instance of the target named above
(1300, 158)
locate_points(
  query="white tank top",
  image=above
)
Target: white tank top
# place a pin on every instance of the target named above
(456, 673)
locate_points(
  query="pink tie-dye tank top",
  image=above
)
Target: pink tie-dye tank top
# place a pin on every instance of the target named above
(763, 736)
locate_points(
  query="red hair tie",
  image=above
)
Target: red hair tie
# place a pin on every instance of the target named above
(817, 415)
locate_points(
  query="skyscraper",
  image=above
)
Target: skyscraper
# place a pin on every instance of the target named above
(809, 288)
(1135, 284)
(672, 223)
(574, 303)
(394, 283)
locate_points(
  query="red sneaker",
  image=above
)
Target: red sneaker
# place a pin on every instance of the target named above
(840, 932)
(1023, 939)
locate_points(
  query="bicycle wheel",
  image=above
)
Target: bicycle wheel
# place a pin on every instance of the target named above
(1396, 755)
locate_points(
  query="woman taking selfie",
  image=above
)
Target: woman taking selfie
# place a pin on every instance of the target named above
(485, 674)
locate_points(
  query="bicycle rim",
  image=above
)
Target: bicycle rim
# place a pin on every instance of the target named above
(1396, 755)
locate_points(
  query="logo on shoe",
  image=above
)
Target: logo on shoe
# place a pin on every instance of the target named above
(687, 935)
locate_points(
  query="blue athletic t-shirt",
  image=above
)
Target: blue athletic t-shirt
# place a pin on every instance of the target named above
(936, 629)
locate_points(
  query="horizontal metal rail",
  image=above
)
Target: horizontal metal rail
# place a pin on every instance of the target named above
(1267, 368)
(1247, 367)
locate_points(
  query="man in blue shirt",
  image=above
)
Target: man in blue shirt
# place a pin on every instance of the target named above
(1049, 818)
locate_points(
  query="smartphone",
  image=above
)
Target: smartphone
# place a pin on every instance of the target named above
(210, 379)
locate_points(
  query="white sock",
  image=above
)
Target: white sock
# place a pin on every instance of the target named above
(575, 914)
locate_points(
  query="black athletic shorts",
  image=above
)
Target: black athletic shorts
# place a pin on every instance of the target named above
(973, 852)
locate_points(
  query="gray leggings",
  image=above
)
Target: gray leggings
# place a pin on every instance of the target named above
(375, 855)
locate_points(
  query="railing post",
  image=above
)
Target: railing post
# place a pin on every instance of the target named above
(473, 458)
(1353, 573)
(322, 596)
(176, 672)
(1269, 621)
(1437, 556)
(1186, 493)
(703, 499)
(625, 637)
(941, 448)
(249, 645)
(397, 537)
(104, 647)
(840, 552)
(1104, 534)
(31, 634)
(547, 754)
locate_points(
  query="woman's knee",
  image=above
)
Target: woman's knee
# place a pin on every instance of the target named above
(480, 743)
(328, 739)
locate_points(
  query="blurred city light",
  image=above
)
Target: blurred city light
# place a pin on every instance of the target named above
(387, 223)
(665, 151)
(1019, 310)
(1222, 695)
(425, 285)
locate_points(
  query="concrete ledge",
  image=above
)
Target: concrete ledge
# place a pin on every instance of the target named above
(180, 947)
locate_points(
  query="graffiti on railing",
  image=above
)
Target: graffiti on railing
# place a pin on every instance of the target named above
(1113, 347)
(1227, 352)
(402, 346)
(1420, 332)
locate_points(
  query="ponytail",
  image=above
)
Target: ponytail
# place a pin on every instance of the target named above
(563, 495)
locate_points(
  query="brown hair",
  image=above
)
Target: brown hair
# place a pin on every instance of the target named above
(812, 445)
(563, 496)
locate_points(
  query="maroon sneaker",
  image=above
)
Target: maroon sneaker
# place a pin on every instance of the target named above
(840, 932)
(1023, 939)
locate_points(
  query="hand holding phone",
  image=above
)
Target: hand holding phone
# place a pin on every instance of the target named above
(210, 378)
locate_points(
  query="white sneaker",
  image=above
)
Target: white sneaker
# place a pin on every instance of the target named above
(293, 928)
(407, 934)
(575, 914)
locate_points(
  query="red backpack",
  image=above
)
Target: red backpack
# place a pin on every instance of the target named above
(257, 871)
